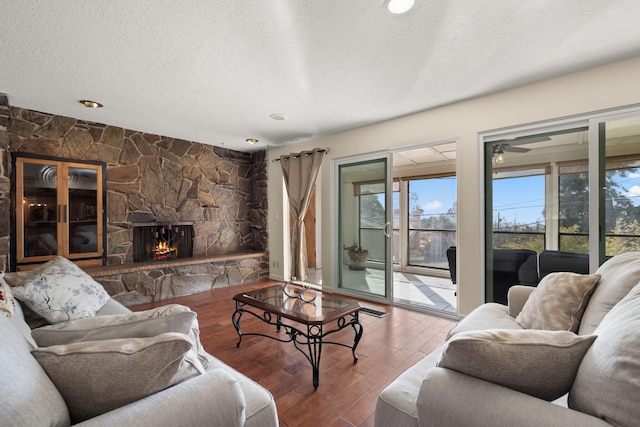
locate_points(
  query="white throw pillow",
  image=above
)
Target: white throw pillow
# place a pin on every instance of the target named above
(539, 363)
(60, 291)
(558, 302)
(140, 324)
(95, 377)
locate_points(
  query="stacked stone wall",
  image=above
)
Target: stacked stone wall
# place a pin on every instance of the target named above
(5, 184)
(150, 178)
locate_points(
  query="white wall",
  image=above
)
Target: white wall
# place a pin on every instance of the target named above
(609, 86)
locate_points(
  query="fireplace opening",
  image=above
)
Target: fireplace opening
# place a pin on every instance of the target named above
(159, 242)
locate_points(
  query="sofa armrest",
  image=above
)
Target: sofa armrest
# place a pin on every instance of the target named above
(212, 399)
(517, 297)
(449, 398)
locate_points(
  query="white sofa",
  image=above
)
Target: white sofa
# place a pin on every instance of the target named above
(219, 396)
(603, 393)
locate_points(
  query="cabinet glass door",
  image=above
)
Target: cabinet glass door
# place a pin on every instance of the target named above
(39, 215)
(82, 210)
(62, 210)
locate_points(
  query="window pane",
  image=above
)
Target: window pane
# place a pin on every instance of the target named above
(518, 213)
(432, 221)
(395, 242)
(622, 186)
(573, 220)
(40, 213)
(83, 218)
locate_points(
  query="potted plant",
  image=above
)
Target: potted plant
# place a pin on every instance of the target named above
(358, 256)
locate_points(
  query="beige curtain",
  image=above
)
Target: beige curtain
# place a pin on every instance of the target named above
(300, 172)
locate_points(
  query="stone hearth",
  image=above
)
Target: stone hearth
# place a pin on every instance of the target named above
(144, 282)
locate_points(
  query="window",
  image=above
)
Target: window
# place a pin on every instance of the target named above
(575, 190)
(371, 218)
(622, 207)
(573, 202)
(432, 220)
(519, 210)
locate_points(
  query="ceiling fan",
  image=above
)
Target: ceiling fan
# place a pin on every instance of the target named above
(500, 149)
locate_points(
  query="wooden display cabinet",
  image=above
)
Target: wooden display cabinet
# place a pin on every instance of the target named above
(58, 216)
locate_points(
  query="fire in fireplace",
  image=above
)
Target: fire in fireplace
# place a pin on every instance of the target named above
(162, 242)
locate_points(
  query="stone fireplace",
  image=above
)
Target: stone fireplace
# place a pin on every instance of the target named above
(162, 242)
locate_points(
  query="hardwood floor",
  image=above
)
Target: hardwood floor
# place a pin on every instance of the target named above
(347, 393)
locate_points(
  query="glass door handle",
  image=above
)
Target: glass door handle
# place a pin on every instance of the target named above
(387, 228)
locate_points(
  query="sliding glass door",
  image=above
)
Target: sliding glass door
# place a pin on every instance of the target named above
(618, 177)
(364, 215)
(536, 199)
(570, 193)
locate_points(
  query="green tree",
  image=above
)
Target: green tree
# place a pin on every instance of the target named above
(574, 202)
(626, 239)
(372, 213)
(621, 215)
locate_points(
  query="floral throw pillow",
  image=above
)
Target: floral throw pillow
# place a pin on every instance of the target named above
(60, 291)
(6, 299)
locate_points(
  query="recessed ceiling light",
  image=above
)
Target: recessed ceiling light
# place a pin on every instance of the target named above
(278, 116)
(398, 7)
(90, 104)
(251, 140)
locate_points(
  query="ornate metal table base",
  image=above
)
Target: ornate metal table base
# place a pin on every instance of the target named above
(308, 343)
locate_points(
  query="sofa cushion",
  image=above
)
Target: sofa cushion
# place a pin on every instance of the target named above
(112, 307)
(6, 299)
(558, 302)
(21, 326)
(29, 398)
(607, 384)
(260, 405)
(60, 291)
(487, 316)
(97, 376)
(141, 324)
(619, 275)
(396, 405)
(551, 261)
(539, 363)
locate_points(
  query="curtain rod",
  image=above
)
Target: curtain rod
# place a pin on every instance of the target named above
(322, 150)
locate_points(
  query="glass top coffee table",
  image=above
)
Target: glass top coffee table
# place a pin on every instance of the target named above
(318, 315)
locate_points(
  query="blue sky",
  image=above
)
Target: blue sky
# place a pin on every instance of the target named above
(435, 196)
(517, 199)
(632, 185)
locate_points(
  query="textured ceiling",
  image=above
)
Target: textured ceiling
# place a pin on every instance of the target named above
(214, 71)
